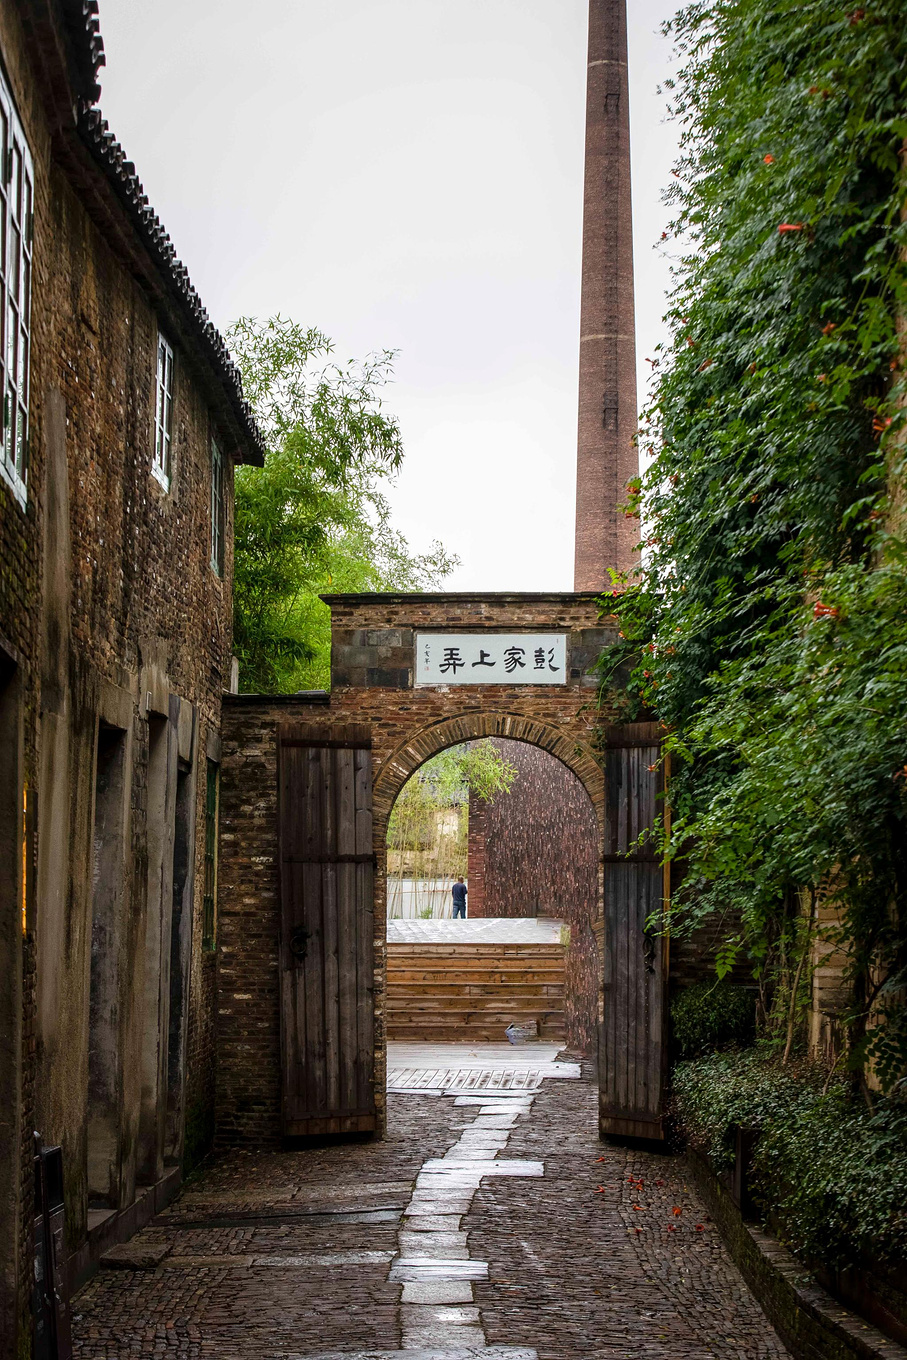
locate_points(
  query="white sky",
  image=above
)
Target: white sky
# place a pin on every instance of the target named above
(405, 174)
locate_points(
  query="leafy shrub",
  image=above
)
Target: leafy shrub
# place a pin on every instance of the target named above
(829, 1171)
(711, 1015)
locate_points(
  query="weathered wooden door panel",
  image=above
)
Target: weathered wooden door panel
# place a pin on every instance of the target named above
(327, 929)
(632, 1049)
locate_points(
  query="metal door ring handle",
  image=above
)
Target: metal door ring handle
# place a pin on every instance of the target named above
(299, 943)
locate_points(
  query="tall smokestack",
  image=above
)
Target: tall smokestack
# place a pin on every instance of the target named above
(606, 458)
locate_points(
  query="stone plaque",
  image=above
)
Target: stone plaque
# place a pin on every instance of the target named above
(491, 658)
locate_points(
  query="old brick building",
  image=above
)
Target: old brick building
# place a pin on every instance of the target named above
(122, 419)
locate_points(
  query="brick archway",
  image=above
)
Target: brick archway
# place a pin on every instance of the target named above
(472, 726)
(385, 692)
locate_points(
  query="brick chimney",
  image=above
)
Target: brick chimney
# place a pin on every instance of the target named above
(606, 459)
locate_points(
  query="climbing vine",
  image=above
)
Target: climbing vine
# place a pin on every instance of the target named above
(768, 623)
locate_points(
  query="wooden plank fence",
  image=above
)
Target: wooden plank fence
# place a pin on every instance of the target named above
(633, 1049)
(327, 929)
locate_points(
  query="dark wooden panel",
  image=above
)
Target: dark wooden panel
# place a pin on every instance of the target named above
(327, 930)
(632, 1050)
(355, 736)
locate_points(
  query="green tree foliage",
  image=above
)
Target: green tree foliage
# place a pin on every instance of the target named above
(428, 826)
(447, 779)
(314, 518)
(444, 783)
(769, 623)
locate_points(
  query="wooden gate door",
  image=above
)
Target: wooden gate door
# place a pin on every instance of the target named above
(632, 1048)
(327, 871)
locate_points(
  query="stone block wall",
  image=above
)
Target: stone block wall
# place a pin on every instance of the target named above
(366, 657)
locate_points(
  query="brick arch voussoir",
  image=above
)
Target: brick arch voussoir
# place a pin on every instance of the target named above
(429, 741)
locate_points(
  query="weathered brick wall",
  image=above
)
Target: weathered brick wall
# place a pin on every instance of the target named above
(106, 595)
(540, 853)
(373, 655)
(693, 953)
(475, 857)
(146, 615)
(248, 1004)
(248, 925)
(372, 662)
(20, 578)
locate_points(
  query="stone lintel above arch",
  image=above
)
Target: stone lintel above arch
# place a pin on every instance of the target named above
(373, 664)
(373, 636)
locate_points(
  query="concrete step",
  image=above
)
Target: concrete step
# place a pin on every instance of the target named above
(471, 1035)
(396, 949)
(432, 1353)
(405, 1019)
(499, 1020)
(456, 963)
(470, 963)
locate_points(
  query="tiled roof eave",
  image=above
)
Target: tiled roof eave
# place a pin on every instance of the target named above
(86, 45)
(109, 156)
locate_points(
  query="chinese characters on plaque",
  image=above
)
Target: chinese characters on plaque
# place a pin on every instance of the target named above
(491, 658)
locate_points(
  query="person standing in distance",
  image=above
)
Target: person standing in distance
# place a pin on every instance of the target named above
(459, 891)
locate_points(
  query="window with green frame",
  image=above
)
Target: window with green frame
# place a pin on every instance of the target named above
(209, 905)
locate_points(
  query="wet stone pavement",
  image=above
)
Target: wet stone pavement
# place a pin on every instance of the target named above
(488, 1225)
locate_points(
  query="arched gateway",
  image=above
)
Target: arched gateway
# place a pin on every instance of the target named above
(307, 786)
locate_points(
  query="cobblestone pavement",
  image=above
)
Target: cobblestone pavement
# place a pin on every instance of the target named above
(579, 1251)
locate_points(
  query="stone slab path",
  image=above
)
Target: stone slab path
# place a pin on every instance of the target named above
(489, 1226)
(415, 1067)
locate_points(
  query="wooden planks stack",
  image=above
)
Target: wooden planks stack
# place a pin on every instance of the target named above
(449, 993)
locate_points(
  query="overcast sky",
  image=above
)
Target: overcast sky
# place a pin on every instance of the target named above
(405, 174)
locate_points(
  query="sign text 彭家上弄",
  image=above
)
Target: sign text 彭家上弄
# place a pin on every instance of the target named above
(491, 658)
